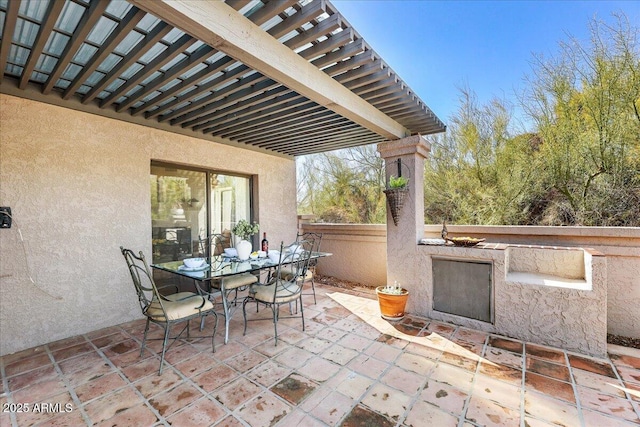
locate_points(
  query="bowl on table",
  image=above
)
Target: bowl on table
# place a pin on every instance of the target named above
(274, 256)
(193, 262)
(253, 255)
(262, 254)
(231, 252)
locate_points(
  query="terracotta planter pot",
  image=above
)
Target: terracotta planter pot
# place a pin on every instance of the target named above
(392, 306)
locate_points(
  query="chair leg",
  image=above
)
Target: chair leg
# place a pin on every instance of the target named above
(144, 339)
(275, 308)
(302, 312)
(225, 308)
(244, 315)
(215, 328)
(167, 328)
(313, 289)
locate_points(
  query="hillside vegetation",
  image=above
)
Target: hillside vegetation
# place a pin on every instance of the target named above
(579, 163)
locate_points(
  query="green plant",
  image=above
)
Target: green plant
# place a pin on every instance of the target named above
(244, 229)
(394, 289)
(398, 181)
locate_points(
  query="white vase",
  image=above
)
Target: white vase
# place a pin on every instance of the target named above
(244, 249)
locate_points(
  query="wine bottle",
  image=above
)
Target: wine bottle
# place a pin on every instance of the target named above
(265, 243)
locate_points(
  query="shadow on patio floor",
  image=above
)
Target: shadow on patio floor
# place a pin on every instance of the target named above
(349, 368)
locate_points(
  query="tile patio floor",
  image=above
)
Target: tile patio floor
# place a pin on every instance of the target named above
(349, 368)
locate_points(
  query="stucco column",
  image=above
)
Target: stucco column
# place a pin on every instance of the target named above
(402, 239)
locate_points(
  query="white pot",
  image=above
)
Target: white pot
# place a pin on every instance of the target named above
(244, 249)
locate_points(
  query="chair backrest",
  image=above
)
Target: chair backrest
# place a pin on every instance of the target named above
(316, 238)
(146, 289)
(214, 244)
(294, 259)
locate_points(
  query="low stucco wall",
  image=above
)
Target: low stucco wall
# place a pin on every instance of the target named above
(620, 246)
(78, 187)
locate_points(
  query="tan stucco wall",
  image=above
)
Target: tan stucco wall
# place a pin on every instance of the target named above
(78, 187)
(620, 245)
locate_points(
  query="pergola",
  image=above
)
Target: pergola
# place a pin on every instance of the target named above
(283, 76)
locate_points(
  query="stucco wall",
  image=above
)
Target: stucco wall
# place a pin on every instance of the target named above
(78, 187)
(620, 245)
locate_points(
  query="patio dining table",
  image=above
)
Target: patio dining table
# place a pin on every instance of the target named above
(216, 269)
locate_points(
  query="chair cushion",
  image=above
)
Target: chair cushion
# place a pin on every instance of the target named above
(287, 292)
(179, 306)
(239, 280)
(287, 274)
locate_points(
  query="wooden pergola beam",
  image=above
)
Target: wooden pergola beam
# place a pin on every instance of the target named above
(223, 28)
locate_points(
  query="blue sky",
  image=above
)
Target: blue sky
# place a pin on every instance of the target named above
(488, 46)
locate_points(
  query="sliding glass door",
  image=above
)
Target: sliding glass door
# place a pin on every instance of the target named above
(182, 210)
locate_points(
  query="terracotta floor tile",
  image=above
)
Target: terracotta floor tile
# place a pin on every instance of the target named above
(197, 364)
(607, 404)
(367, 331)
(368, 366)
(39, 392)
(440, 328)
(550, 386)
(506, 344)
(268, 373)
(456, 377)
(405, 381)
(67, 342)
(112, 404)
(176, 355)
(142, 369)
(354, 385)
(549, 409)
(215, 377)
(465, 347)
(598, 382)
(230, 349)
(100, 386)
(471, 335)
(294, 388)
(126, 359)
(418, 364)
(45, 373)
(268, 349)
(88, 373)
(354, 342)
(331, 334)
(463, 362)
(290, 336)
(503, 357)
(319, 369)
(548, 369)
(264, 411)
(406, 329)
(332, 408)
(75, 350)
(534, 422)
(392, 341)
(489, 413)
(246, 361)
(546, 353)
(236, 393)
(293, 357)
(500, 392)
(444, 396)
(423, 349)
(383, 352)
(103, 332)
(139, 416)
(387, 401)
(64, 419)
(62, 402)
(168, 402)
(230, 421)
(109, 340)
(314, 345)
(425, 414)
(591, 365)
(626, 360)
(23, 365)
(501, 372)
(629, 374)
(598, 419)
(155, 384)
(339, 354)
(202, 412)
(363, 416)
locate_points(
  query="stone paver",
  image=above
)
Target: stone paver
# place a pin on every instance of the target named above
(348, 368)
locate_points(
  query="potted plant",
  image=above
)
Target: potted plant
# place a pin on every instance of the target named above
(244, 230)
(396, 193)
(392, 300)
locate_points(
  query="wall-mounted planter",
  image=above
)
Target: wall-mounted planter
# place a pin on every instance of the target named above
(395, 198)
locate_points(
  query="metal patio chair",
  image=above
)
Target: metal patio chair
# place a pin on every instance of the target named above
(165, 310)
(282, 289)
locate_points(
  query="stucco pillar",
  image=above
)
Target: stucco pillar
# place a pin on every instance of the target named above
(402, 239)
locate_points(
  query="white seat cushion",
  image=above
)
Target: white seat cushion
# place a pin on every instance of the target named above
(287, 274)
(239, 280)
(287, 292)
(179, 306)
